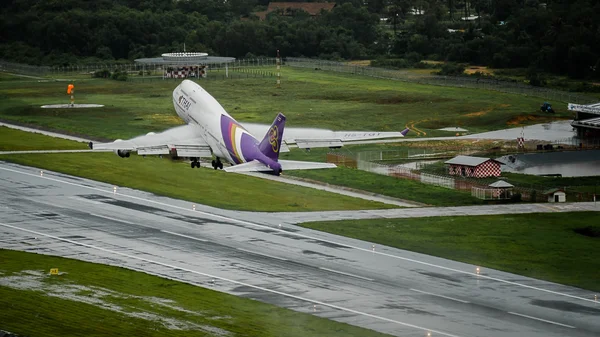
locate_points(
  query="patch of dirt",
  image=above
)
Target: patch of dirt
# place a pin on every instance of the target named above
(364, 63)
(477, 114)
(474, 69)
(432, 62)
(483, 112)
(525, 119)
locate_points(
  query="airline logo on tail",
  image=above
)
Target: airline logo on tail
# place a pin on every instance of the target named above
(271, 143)
(273, 138)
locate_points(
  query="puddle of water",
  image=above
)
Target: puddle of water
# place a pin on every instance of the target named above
(567, 163)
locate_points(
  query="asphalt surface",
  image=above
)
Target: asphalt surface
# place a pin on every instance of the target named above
(247, 254)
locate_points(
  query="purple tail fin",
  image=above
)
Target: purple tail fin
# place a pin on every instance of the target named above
(271, 144)
(405, 131)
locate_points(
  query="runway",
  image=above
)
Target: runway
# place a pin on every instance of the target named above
(248, 254)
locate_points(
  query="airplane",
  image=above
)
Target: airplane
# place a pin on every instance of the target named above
(210, 131)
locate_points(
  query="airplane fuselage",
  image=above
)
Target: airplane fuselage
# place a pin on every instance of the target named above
(226, 137)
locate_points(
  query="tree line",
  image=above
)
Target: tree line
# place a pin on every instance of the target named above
(556, 36)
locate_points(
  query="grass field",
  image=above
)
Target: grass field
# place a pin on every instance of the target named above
(174, 178)
(90, 299)
(16, 140)
(391, 186)
(543, 246)
(307, 97)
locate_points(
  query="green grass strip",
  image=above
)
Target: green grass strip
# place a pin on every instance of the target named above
(391, 186)
(543, 246)
(34, 313)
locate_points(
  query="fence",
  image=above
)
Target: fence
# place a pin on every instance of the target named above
(235, 73)
(491, 193)
(400, 75)
(452, 81)
(130, 67)
(23, 68)
(478, 188)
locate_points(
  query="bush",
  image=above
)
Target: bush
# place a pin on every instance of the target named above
(390, 63)
(516, 197)
(104, 73)
(452, 69)
(119, 75)
(536, 77)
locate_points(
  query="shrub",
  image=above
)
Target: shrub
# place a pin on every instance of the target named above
(104, 73)
(119, 75)
(452, 69)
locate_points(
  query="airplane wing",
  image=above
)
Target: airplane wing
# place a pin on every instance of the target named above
(256, 166)
(185, 140)
(306, 138)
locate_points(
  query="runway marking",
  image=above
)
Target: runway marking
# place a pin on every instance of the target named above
(261, 254)
(333, 306)
(184, 236)
(480, 276)
(442, 296)
(347, 274)
(113, 219)
(541, 320)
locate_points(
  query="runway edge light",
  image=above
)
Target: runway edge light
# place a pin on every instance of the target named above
(477, 270)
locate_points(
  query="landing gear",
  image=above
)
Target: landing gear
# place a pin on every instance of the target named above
(195, 163)
(216, 164)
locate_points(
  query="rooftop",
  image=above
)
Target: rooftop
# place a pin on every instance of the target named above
(186, 58)
(468, 160)
(501, 184)
(589, 108)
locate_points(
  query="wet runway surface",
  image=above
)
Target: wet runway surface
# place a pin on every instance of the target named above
(248, 254)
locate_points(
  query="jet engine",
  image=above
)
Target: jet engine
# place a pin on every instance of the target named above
(122, 153)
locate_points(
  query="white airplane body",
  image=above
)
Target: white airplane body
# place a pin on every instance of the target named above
(211, 131)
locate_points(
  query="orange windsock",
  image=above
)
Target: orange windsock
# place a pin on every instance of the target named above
(70, 88)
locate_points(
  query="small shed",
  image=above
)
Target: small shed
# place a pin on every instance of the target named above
(475, 167)
(556, 195)
(502, 189)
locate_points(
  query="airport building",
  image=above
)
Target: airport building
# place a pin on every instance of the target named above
(186, 64)
(474, 167)
(587, 120)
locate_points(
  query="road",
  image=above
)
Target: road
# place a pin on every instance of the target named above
(247, 254)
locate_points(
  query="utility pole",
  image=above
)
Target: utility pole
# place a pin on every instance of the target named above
(278, 61)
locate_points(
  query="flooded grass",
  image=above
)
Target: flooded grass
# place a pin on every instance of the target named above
(89, 299)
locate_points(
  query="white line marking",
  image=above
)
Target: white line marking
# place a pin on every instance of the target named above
(347, 274)
(229, 280)
(261, 254)
(109, 218)
(442, 296)
(541, 320)
(305, 236)
(184, 236)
